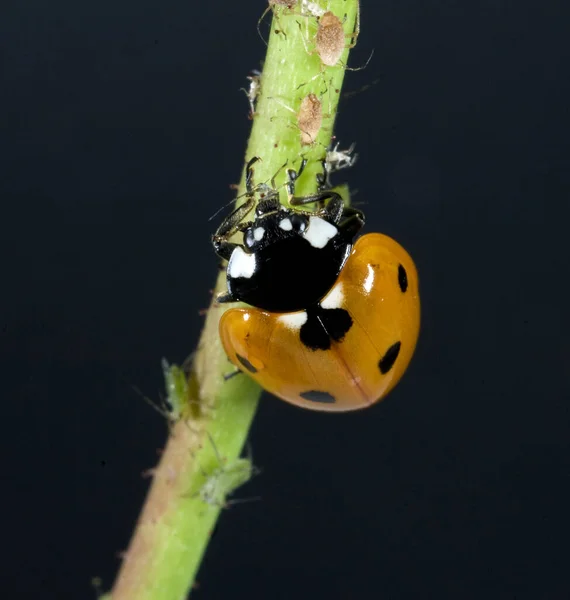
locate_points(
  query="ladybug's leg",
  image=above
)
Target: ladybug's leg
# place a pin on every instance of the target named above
(249, 187)
(349, 220)
(225, 297)
(232, 374)
(352, 221)
(333, 211)
(233, 222)
(320, 197)
(230, 225)
(292, 177)
(269, 194)
(323, 179)
(350, 211)
(334, 208)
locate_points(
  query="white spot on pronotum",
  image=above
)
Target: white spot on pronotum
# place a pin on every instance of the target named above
(293, 320)
(241, 264)
(369, 281)
(285, 224)
(319, 232)
(258, 233)
(335, 298)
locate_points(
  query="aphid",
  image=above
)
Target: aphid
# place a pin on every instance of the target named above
(253, 90)
(339, 159)
(336, 160)
(310, 119)
(330, 38)
(177, 391)
(177, 400)
(332, 323)
(225, 479)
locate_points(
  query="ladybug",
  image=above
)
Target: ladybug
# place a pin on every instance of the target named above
(332, 323)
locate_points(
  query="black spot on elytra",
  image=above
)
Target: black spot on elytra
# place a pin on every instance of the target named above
(402, 278)
(314, 336)
(336, 321)
(324, 325)
(388, 360)
(246, 363)
(316, 396)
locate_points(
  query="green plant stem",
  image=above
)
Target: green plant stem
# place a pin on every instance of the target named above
(175, 524)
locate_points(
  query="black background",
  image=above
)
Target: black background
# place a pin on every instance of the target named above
(122, 128)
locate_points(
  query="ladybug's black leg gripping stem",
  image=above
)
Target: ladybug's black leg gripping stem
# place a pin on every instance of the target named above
(352, 222)
(250, 188)
(323, 179)
(292, 177)
(225, 297)
(233, 222)
(349, 211)
(333, 211)
(230, 225)
(232, 374)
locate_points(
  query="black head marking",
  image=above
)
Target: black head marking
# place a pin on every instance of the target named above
(402, 278)
(323, 325)
(388, 360)
(317, 396)
(245, 363)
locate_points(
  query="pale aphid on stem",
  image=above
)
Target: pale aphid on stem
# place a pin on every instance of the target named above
(253, 90)
(330, 38)
(336, 160)
(225, 479)
(176, 386)
(177, 401)
(340, 159)
(309, 117)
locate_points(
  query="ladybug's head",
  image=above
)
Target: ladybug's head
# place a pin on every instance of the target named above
(289, 260)
(274, 223)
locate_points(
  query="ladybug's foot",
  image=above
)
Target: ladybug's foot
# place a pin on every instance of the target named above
(225, 297)
(249, 185)
(232, 374)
